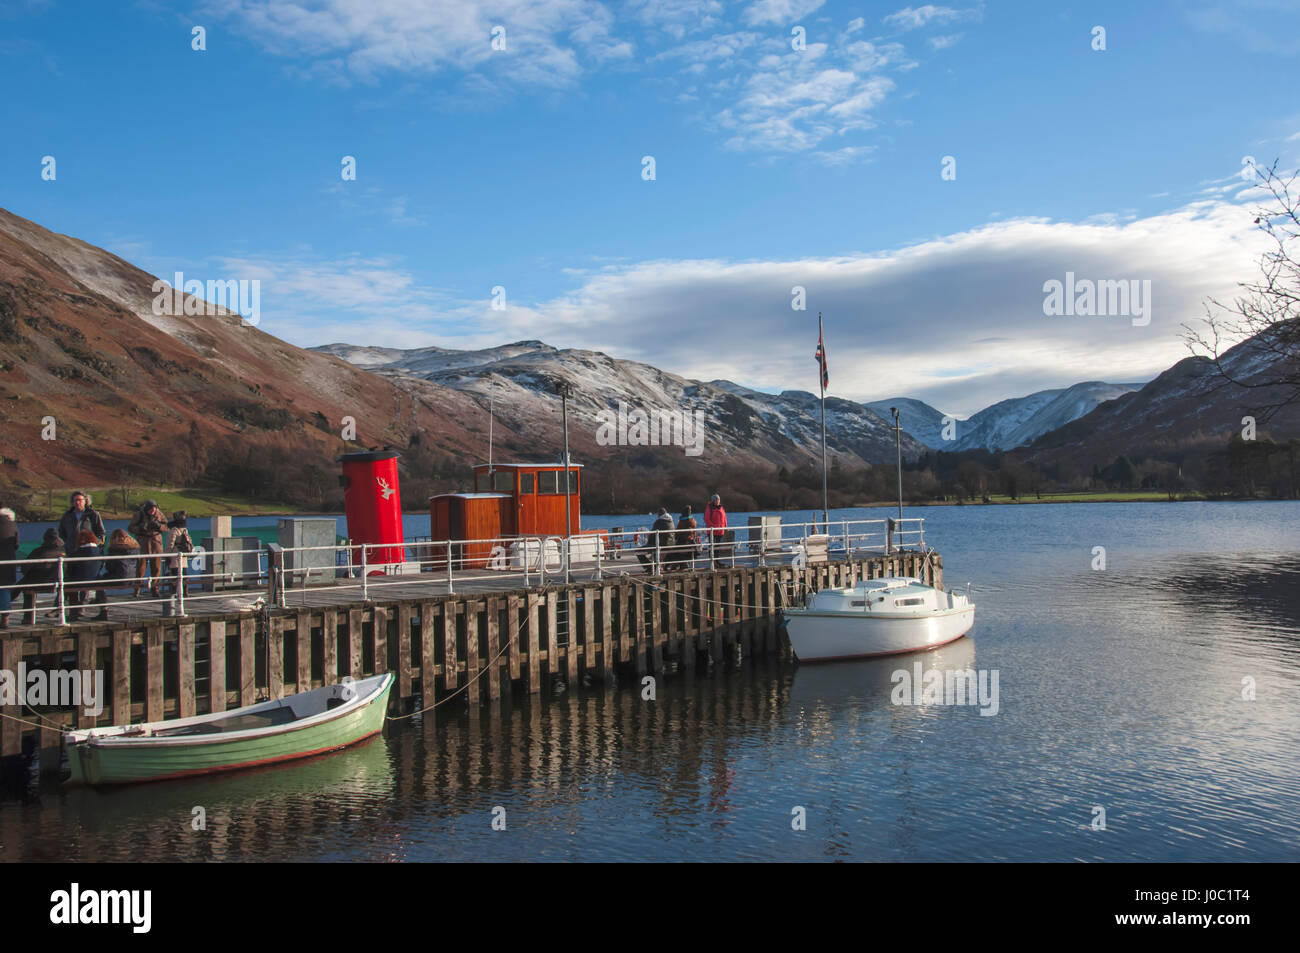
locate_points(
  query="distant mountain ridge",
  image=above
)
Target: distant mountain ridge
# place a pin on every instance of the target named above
(526, 370)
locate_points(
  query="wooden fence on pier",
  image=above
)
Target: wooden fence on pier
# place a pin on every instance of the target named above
(478, 644)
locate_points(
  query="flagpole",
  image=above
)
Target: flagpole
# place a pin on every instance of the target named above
(821, 382)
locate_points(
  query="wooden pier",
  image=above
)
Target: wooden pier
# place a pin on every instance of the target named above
(479, 644)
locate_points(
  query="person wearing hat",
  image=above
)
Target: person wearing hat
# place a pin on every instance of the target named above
(661, 539)
(685, 539)
(40, 576)
(148, 526)
(715, 518)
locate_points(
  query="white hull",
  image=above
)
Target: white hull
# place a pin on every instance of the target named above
(876, 617)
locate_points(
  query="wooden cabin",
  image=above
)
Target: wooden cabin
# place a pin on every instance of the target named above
(509, 499)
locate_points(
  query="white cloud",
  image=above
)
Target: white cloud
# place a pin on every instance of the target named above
(913, 18)
(546, 40)
(943, 42)
(779, 12)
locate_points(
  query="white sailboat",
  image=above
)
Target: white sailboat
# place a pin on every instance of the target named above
(876, 617)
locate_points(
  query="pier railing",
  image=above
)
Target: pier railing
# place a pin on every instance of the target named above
(188, 581)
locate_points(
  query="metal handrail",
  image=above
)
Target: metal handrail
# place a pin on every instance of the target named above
(848, 536)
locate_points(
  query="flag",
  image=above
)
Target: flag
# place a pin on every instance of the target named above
(821, 359)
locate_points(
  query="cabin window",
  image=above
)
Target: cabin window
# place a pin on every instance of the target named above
(548, 481)
(503, 481)
(917, 601)
(525, 483)
(573, 481)
(481, 483)
(857, 602)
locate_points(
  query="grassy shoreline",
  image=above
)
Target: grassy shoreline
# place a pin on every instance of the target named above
(41, 506)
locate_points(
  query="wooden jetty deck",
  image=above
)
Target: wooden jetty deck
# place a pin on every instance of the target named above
(483, 642)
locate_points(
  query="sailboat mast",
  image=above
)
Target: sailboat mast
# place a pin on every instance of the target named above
(821, 381)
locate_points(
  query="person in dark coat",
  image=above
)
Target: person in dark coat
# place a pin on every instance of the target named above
(81, 518)
(41, 576)
(662, 532)
(685, 539)
(8, 553)
(80, 515)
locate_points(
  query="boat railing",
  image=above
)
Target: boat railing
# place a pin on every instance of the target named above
(193, 583)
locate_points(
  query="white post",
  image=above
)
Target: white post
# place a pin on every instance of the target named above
(657, 567)
(365, 576)
(63, 620)
(600, 548)
(451, 586)
(180, 581)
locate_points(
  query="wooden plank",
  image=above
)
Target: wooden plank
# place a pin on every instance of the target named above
(534, 640)
(689, 584)
(552, 635)
(404, 617)
(472, 662)
(657, 637)
(51, 737)
(512, 633)
(153, 684)
(304, 651)
(275, 658)
(671, 616)
(571, 651)
(639, 629)
(746, 612)
(11, 732)
(379, 640)
(86, 658)
(606, 629)
(715, 616)
(428, 663)
(494, 647)
(624, 622)
(770, 583)
(247, 661)
(329, 631)
(589, 629)
(217, 665)
(450, 666)
(185, 703)
(121, 677)
(356, 625)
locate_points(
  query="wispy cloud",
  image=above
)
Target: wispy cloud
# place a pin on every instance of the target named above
(913, 18)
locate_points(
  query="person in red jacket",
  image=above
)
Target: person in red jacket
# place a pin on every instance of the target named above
(715, 518)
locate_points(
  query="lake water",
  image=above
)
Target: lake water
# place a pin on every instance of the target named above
(1119, 689)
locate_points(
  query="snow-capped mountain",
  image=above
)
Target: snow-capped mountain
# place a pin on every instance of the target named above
(519, 380)
(1020, 420)
(917, 417)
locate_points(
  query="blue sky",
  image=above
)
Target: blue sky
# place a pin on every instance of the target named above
(774, 167)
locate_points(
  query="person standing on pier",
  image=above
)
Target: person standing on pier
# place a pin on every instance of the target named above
(148, 526)
(685, 540)
(41, 575)
(715, 518)
(81, 517)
